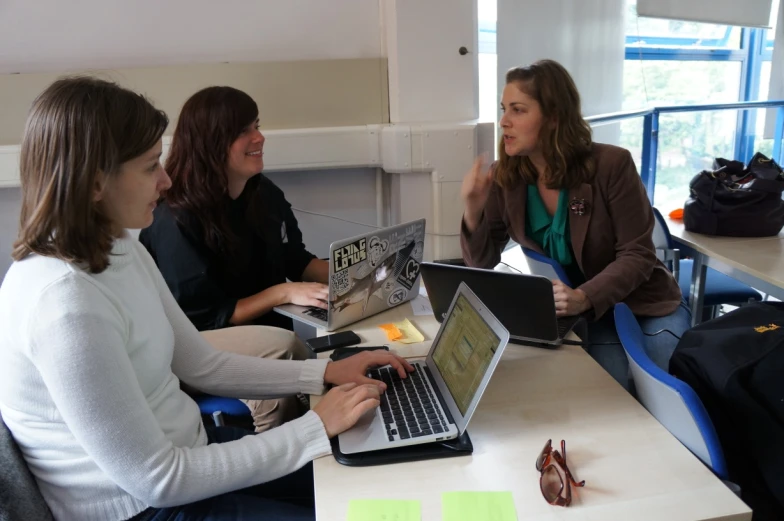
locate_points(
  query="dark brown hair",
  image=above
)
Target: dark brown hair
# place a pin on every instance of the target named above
(210, 121)
(565, 136)
(77, 127)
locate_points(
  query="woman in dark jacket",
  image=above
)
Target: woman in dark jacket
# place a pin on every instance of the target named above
(579, 202)
(224, 236)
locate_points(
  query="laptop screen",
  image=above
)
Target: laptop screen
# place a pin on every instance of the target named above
(464, 352)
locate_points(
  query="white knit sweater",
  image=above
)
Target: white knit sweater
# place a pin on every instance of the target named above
(89, 368)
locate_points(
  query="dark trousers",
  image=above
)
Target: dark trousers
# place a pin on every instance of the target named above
(289, 498)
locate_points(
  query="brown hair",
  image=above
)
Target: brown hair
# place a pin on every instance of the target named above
(566, 142)
(77, 127)
(210, 121)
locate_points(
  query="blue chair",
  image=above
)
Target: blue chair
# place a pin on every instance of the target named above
(719, 288)
(217, 406)
(545, 266)
(672, 402)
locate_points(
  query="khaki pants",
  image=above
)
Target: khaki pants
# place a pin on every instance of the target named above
(264, 342)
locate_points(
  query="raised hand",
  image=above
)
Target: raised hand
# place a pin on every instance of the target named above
(475, 191)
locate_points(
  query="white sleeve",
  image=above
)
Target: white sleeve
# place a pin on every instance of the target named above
(203, 367)
(78, 345)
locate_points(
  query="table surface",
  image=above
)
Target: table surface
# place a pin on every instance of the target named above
(760, 257)
(633, 467)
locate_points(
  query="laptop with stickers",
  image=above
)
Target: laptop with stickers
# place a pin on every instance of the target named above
(368, 274)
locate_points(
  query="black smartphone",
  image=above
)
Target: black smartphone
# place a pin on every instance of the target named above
(329, 342)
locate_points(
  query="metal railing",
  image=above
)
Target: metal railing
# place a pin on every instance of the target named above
(650, 130)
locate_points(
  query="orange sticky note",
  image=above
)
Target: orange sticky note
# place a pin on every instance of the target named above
(677, 214)
(393, 333)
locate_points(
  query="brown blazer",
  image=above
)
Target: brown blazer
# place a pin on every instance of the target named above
(612, 240)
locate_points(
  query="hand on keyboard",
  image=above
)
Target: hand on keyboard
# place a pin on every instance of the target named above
(355, 368)
(342, 406)
(312, 294)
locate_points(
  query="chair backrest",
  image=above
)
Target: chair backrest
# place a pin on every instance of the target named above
(19, 494)
(672, 402)
(665, 246)
(544, 266)
(662, 239)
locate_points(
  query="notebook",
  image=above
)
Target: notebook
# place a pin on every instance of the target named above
(524, 304)
(437, 400)
(368, 274)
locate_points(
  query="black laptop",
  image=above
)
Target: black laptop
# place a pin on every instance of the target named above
(524, 304)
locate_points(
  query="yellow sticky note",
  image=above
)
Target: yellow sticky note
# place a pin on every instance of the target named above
(470, 506)
(383, 510)
(410, 334)
(393, 333)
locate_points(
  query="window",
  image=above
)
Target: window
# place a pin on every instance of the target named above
(670, 62)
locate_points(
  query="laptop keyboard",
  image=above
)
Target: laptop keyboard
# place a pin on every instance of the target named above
(409, 407)
(318, 313)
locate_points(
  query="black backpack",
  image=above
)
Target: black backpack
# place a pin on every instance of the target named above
(735, 363)
(736, 200)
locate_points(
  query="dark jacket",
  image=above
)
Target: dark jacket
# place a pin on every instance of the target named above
(612, 240)
(206, 284)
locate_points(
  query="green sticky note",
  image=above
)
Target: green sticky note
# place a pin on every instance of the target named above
(383, 510)
(470, 506)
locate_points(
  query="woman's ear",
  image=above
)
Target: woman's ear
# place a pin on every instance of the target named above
(99, 186)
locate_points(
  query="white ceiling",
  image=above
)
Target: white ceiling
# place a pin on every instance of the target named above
(59, 35)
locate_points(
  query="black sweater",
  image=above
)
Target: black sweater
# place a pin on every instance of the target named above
(207, 285)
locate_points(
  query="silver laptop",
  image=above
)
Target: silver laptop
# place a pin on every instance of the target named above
(437, 400)
(368, 274)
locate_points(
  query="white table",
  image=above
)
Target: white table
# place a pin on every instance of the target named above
(756, 261)
(633, 467)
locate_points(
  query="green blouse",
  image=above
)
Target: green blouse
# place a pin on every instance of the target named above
(551, 233)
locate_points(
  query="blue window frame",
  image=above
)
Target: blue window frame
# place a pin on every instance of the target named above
(755, 48)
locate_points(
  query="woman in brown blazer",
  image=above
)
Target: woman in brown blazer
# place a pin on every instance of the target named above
(582, 203)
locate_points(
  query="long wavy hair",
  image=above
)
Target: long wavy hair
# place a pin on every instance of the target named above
(76, 128)
(210, 121)
(565, 137)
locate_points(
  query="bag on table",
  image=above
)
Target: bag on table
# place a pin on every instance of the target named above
(736, 200)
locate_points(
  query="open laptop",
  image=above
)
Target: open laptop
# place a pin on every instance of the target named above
(368, 274)
(436, 401)
(523, 303)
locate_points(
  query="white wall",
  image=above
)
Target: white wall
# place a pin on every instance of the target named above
(10, 202)
(351, 195)
(51, 36)
(55, 35)
(585, 36)
(429, 80)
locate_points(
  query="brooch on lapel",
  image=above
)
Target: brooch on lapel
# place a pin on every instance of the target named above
(577, 206)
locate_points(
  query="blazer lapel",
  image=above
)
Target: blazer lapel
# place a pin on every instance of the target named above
(580, 202)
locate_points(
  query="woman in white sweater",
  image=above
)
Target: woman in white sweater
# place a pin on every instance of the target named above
(93, 346)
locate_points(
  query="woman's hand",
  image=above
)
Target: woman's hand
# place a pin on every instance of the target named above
(354, 368)
(569, 301)
(342, 406)
(475, 191)
(306, 294)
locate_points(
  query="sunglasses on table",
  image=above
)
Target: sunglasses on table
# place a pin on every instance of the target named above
(556, 479)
